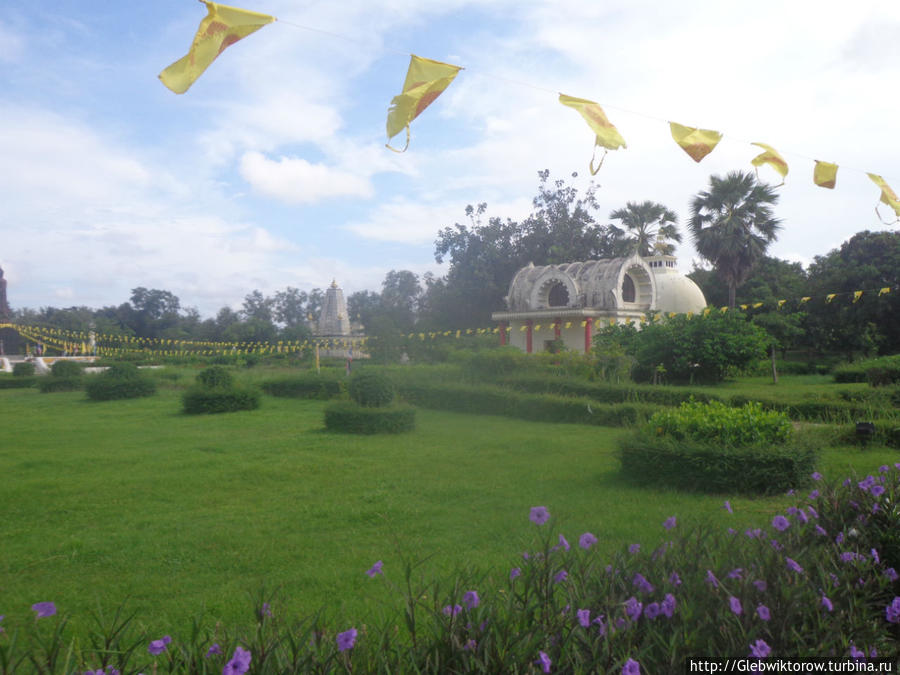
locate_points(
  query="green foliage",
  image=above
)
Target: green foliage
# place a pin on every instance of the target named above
(649, 226)
(119, 381)
(48, 385)
(494, 363)
(371, 389)
(62, 368)
(305, 386)
(601, 392)
(350, 417)
(215, 377)
(20, 382)
(717, 423)
(23, 369)
(207, 400)
(878, 372)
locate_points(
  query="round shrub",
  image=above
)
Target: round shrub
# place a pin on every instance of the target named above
(215, 377)
(122, 371)
(23, 369)
(48, 385)
(371, 389)
(121, 381)
(350, 418)
(209, 400)
(66, 369)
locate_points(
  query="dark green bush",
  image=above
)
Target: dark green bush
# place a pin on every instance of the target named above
(122, 371)
(23, 369)
(878, 372)
(48, 385)
(715, 422)
(120, 381)
(602, 392)
(305, 386)
(7, 382)
(204, 400)
(357, 419)
(66, 369)
(215, 377)
(371, 389)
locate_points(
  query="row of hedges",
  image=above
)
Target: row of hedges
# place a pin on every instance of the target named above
(304, 386)
(601, 392)
(878, 372)
(21, 382)
(491, 400)
(202, 400)
(349, 417)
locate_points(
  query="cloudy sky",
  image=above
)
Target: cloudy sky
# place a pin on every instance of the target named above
(271, 170)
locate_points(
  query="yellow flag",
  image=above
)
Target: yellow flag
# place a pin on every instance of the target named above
(857, 295)
(825, 174)
(772, 158)
(804, 299)
(886, 289)
(697, 143)
(425, 81)
(757, 305)
(221, 28)
(781, 303)
(888, 196)
(607, 136)
(830, 297)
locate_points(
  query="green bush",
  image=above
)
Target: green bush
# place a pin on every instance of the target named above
(23, 369)
(878, 372)
(357, 419)
(205, 400)
(602, 392)
(48, 385)
(66, 369)
(7, 382)
(120, 381)
(215, 377)
(305, 386)
(717, 423)
(371, 389)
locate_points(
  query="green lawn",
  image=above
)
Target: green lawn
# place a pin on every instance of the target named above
(132, 499)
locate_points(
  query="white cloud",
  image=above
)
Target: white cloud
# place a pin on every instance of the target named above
(294, 180)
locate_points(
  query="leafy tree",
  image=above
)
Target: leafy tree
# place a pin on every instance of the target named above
(363, 306)
(650, 227)
(732, 226)
(151, 311)
(289, 307)
(257, 307)
(400, 293)
(772, 279)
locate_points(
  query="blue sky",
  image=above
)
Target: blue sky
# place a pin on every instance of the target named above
(271, 170)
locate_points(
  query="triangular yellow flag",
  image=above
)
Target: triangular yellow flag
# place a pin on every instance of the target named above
(830, 297)
(825, 174)
(888, 196)
(221, 28)
(886, 289)
(697, 143)
(425, 81)
(857, 295)
(606, 136)
(772, 158)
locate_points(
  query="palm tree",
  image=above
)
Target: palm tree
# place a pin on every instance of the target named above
(650, 226)
(732, 225)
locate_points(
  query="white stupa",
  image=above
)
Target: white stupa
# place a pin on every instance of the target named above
(333, 319)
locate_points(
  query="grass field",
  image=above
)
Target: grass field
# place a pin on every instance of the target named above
(103, 502)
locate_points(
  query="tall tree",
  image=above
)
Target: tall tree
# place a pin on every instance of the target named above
(400, 293)
(650, 227)
(732, 225)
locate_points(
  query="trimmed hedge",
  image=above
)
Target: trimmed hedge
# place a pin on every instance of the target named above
(601, 392)
(351, 418)
(878, 372)
(121, 381)
(66, 369)
(48, 385)
(7, 382)
(371, 389)
(209, 400)
(23, 369)
(215, 376)
(304, 386)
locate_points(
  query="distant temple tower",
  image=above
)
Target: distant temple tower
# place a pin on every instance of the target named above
(333, 319)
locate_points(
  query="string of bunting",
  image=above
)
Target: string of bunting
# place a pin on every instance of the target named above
(427, 79)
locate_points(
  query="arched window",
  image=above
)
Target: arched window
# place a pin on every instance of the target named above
(628, 289)
(558, 296)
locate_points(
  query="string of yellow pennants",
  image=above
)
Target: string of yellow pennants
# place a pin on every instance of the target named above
(427, 79)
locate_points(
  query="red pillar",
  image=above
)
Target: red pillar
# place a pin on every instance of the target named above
(502, 333)
(556, 330)
(587, 334)
(528, 335)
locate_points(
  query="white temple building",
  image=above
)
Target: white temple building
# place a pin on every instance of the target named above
(333, 318)
(564, 302)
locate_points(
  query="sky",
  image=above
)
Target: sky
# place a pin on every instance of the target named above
(271, 170)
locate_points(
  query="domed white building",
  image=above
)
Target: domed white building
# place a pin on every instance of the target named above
(565, 301)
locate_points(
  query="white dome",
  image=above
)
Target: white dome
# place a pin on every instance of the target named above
(676, 293)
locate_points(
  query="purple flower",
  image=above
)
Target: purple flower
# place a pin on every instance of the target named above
(560, 576)
(813, 495)
(761, 585)
(875, 556)
(239, 664)
(873, 653)
(711, 579)
(514, 572)
(470, 599)
(811, 511)
(877, 490)
(652, 610)
(754, 534)
(760, 649)
(668, 605)
(631, 667)
(669, 522)
(736, 573)
(855, 653)
(633, 608)
(641, 582)
(849, 556)
(763, 613)
(839, 539)
(780, 523)
(375, 569)
(601, 626)
(727, 506)
(452, 611)
(44, 609)
(884, 468)
(634, 548)
(587, 540)
(674, 579)
(584, 617)
(539, 515)
(816, 475)
(158, 646)
(821, 531)
(735, 605)
(890, 573)
(265, 610)
(563, 543)
(866, 483)
(470, 645)
(732, 531)
(793, 564)
(777, 546)
(826, 603)
(892, 611)
(347, 639)
(213, 650)
(545, 661)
